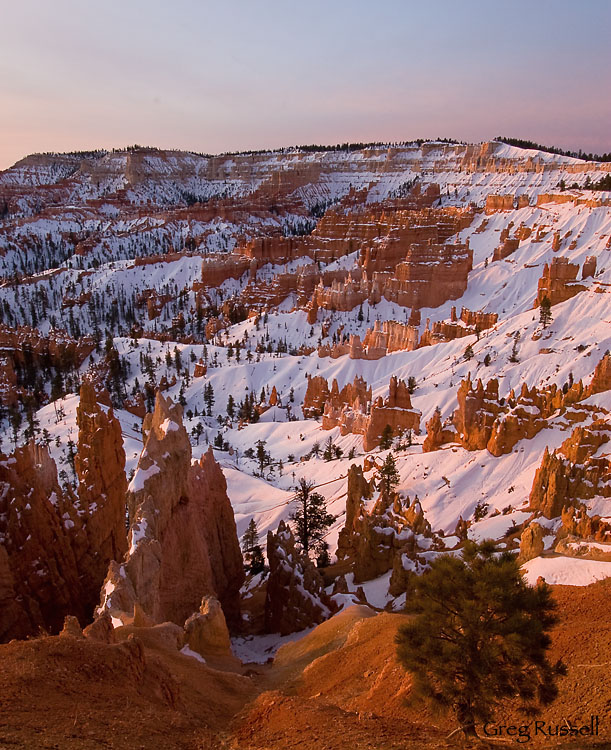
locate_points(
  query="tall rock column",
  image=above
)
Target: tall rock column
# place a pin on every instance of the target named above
(183, 543)
(100, 468)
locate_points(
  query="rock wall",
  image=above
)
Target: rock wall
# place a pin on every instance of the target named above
(558, 282)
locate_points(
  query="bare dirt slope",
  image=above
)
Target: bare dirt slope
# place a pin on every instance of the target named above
(353, 695)
(339, 687)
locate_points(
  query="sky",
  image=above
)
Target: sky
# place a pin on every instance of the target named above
(247, 74)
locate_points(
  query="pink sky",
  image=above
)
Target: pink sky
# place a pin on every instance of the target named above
(199, 76)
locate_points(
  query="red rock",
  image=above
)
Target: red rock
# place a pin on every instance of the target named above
(572, 473)
(39, 579)
(601, 380)
(531, 542)
(437, 434)
(317, 393)
(372, 541)
(558, 282)
(100, 468)
(183, 540)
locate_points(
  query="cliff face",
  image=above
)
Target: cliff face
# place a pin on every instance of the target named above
(295, 597)
(182, 540)
(573, 473)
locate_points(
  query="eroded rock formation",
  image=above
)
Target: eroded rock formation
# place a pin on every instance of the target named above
(183, 541)
(373, 538)
(100, 468)
(558, 282)
(353, 411)
(573, 473)
(39, 579)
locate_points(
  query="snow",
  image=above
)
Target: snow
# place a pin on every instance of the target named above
(137, 533)
(258, 649)
(141, 476)
(193, 654)
(497, 527)
(376, 590)
(566, 571)
(168, 426)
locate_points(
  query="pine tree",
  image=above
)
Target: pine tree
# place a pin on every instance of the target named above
(545, 312)
(513, 357)
(310, 518)
(479, 635)
(389, 476)
(468, 353)
(253, 554)
(386, 440)
(230, 407)
(262, 455)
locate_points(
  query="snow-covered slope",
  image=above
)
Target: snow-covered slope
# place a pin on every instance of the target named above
(133, 205)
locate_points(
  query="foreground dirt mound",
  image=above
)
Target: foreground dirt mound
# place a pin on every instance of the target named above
(341, 686)
(337, 688)
(68, 692)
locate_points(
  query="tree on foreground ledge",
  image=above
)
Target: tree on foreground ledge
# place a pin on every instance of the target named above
(480, 635)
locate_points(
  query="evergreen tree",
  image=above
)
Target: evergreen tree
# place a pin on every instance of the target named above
(386, 440)
(513, 357)
(545, 312)
(230, 407)
(262, 455)
(468, 353)
(328, 451)
(310, 517)
(479, 636)
(253, 554)
(389, 476)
